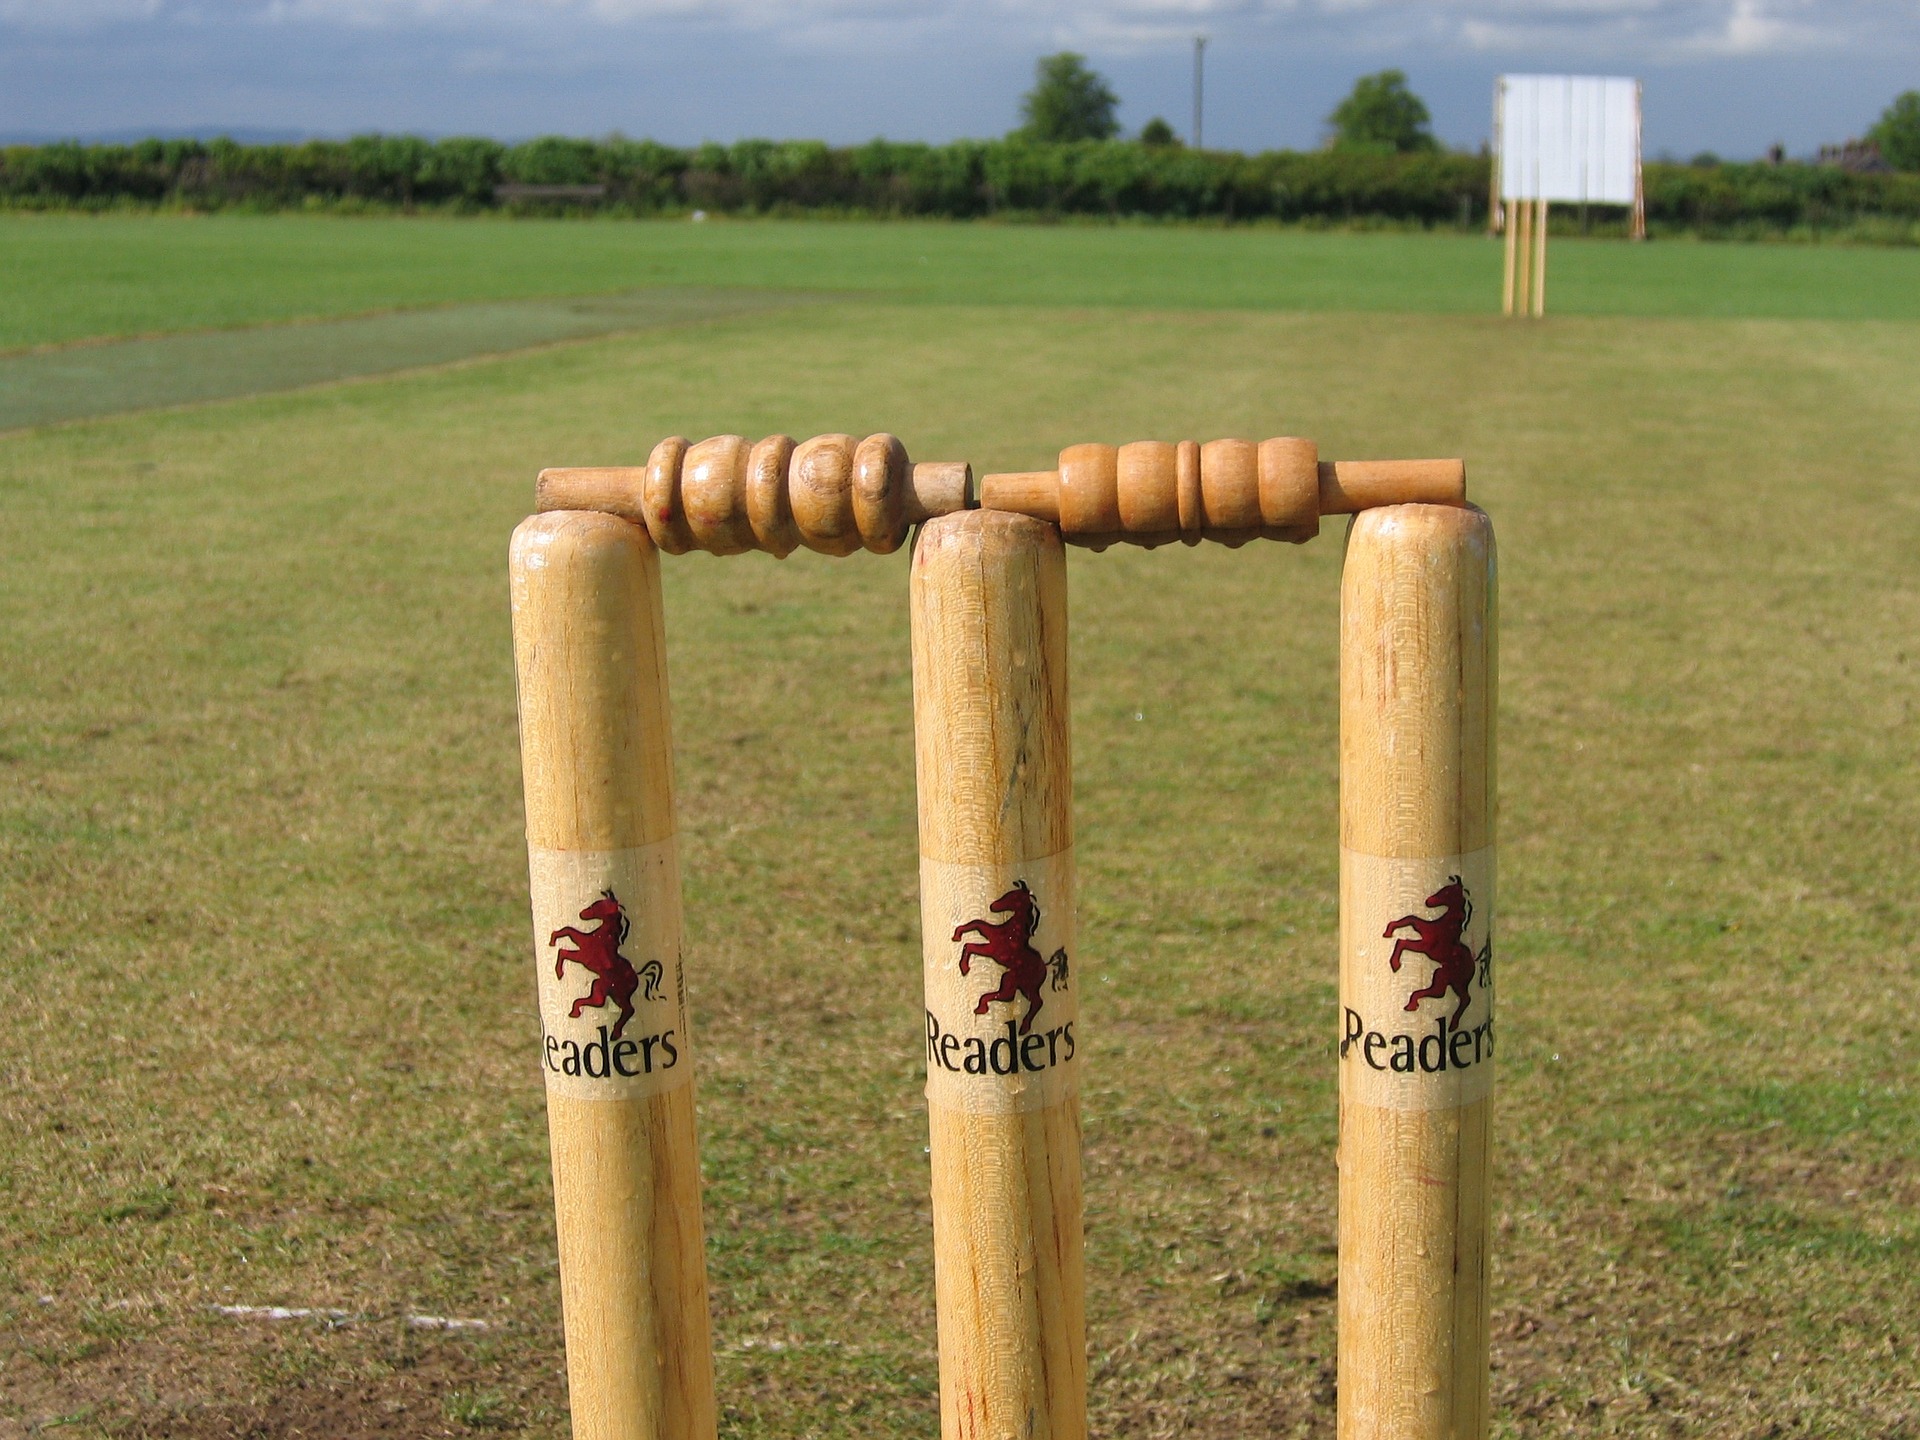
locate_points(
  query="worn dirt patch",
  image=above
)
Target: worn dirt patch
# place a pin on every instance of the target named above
(223, 1380)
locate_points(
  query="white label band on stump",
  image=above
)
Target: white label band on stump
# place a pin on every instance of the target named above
(1002, 995)
(1416, 980)
(606, 946)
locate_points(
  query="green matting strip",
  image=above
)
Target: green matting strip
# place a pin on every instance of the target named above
(84, 381)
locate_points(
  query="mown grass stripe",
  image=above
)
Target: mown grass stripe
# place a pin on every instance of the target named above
(85, 381)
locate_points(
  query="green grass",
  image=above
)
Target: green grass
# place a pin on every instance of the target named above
(76, 277)
(77, 382)
(262, 884)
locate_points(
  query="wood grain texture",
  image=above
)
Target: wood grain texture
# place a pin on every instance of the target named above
(1349, 486)
(991, 738)
(938, 487)
(714, 481)
(1417, 783)
(633, 1279)
(1188, 489)
(1023, 492)
(1289, 483)
(769, 508)
(597, 765)
(663, 510)
(1089, 496)
(1230, 484)
(1540, 259)
(1146, 477)
(834, 494)
(1521, 223)
(820, 488)
(1152, 493)
(610, 489)
(831, 494)
(994, 766)
(1507, 265)
(881, 475)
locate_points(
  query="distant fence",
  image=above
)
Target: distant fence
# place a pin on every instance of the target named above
(962, 180)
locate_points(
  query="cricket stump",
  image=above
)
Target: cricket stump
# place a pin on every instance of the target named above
(1509, 253)
(1523, 255)
(1540, 217)
(597, 760)
(996, 904)
(1417, 812)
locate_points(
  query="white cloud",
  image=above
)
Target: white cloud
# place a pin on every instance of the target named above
(76, 14)
(1622, 30)
(1753, 28)
(1667, 30)
(1643, 30)
(760, 14)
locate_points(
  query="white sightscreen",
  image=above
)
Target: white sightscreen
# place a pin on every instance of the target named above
(1569, 137)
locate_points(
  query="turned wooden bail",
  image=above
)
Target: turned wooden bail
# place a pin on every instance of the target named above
(1151, 492)
(834, 493)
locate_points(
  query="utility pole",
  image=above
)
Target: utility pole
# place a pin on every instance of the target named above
(1199, 52)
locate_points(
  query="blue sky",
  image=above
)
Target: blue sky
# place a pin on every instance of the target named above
(1727, 75)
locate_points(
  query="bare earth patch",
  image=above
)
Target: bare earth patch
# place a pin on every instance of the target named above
(218, 1379)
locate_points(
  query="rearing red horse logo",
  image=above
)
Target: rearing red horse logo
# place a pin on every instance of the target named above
(1009, 944)
(1439, 940)
(598, 950)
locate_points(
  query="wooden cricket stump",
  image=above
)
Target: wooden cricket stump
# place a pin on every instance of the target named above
(1523, 285)
(1417, 690)
(1509, 258)
(1540, 257)
(994, 768)
(597, 760)
(994, 771)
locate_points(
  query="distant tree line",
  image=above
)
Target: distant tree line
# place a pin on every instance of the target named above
(1381, 165)
(1017, 177)
(1897, 133)
(962, 180)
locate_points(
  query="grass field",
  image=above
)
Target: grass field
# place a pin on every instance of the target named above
(185, 367)
(262, 884)
(78, 277)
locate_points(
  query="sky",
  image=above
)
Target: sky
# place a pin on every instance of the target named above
(1730, 76)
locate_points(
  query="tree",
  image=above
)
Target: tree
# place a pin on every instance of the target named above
(1382, 117)
(1898, 132)
(1158, 134)
(1068, 101)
